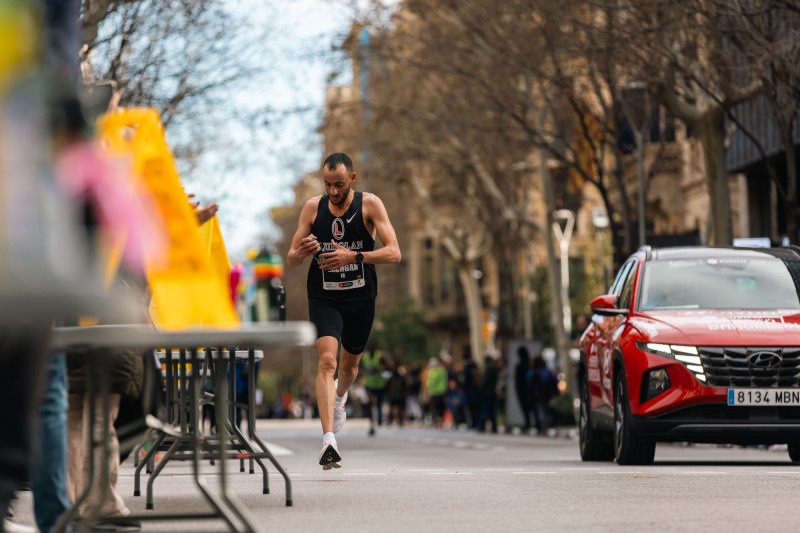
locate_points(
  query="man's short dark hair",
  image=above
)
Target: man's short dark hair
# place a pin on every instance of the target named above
(333, 161)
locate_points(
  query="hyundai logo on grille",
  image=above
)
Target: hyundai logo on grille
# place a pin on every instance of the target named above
(764, 360)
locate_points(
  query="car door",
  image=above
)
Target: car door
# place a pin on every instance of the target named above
(607, 327)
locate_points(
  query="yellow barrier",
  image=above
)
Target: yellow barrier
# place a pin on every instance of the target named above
(187, 285)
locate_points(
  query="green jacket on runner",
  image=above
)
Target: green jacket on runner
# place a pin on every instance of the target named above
(437, 381)
(373, 370)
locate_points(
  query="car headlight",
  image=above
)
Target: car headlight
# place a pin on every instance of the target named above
(687, 355)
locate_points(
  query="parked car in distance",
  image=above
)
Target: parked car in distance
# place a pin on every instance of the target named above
(697, 344)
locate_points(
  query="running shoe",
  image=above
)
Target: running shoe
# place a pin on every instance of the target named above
(339, 413)
(329, 456)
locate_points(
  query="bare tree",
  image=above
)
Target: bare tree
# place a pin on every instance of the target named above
(764, 34)
(480, 88)
(459, 155)
(678, 49)
(186, 60)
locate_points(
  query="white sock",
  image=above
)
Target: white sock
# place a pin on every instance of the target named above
(328, 438)
(338, 398)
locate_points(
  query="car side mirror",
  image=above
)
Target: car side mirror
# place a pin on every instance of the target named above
(606, 305)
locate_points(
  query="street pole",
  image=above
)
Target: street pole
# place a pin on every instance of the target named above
(640, 160)
(564, 237)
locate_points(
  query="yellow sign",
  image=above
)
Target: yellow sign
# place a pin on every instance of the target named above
(188, 287)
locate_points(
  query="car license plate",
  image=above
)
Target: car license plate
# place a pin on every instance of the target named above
(763, 396)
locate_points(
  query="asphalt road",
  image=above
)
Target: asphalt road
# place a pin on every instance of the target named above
(422, 480)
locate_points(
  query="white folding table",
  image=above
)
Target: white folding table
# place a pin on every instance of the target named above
(263, 336)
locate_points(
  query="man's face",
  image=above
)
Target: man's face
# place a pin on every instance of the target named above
(337, 183)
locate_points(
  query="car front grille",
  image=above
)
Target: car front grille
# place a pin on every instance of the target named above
(736, 366)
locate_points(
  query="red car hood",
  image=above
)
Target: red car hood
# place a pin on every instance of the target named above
(705, 327)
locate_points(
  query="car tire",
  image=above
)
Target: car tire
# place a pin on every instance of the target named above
(629, 448)
(794, 451)
(595, 445)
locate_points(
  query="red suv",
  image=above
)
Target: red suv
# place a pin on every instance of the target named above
(693, 344)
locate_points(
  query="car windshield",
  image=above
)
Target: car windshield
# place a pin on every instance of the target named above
(720, 283)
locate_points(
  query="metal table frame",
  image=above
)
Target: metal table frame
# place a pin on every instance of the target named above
(263, 336)
(176, 440)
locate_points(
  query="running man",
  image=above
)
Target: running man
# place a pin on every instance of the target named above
(342, 284)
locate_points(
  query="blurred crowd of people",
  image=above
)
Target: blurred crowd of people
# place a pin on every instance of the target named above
(441, 392)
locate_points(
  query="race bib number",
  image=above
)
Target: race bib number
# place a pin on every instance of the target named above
(345, 278)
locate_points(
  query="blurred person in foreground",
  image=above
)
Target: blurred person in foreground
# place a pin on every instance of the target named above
(112, 204)
(339, 229)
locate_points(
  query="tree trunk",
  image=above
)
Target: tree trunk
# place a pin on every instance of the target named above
(472, 296)
(712, 138)
(628, 246)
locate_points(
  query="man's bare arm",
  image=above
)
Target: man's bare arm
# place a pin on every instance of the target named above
(303, 244)
(375, 212)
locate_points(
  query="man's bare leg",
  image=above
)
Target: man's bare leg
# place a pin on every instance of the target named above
(326, 368)
(348, 371)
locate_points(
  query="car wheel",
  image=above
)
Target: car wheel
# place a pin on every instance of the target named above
(629, 448)
(794, 451)
(595, 445)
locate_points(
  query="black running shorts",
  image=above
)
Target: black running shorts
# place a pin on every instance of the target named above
(348, 322)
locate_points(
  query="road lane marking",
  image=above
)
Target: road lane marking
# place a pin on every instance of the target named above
(449, 473)
(275, 449)
(535, 472)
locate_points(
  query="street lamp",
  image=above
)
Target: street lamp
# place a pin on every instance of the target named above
(563, 236)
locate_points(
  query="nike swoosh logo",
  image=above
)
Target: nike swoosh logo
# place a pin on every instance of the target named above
(352, 217)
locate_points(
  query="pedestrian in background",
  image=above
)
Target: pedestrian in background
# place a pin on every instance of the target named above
(414, 404)
(373, 362)
(454, 402)
(488, 392)
(522, 385)
(397, 394)
(437, 389)
(544, 388)
(470, 384)
(501, 389)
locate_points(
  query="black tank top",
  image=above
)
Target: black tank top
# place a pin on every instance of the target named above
(353, 282)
